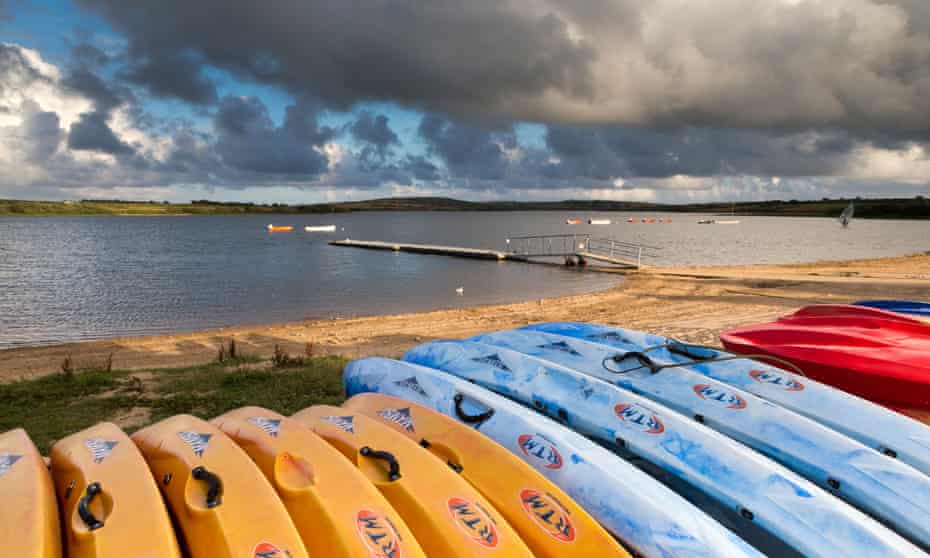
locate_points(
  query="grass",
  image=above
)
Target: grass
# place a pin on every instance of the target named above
(52, 407)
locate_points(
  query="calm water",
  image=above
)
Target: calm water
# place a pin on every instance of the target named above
(64, 279)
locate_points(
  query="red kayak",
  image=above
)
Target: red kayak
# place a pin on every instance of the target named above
(878, 355)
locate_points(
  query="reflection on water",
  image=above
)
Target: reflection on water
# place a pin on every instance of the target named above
(89, 277)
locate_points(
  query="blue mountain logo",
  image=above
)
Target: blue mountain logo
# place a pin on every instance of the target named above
(493, 360)
(412, 384)
(346, 423)
(398, 416)
(198, 442)
(560, 346)
(100, 449)
(271, 426)
(6, 462)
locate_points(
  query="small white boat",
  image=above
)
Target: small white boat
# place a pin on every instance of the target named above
(320, 228)
(731, 222)
(598, 221)
(847, 214)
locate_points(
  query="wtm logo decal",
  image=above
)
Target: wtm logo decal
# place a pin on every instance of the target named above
(378, 534)
(272, 427)
(268, 550)
(610, 336)
(398, 416)
(474, 521)
(548, 514)
(346, 423)
(640, 417)
(720, 396)
(198, 442)
(776, 379)
(100, 449)
(561, 346)
(540, 449)
(7, 461)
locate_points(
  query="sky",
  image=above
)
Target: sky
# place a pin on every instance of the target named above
(304, 101)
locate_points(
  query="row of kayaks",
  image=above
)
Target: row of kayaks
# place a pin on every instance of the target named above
(680, 451)
(378, 477)
(309, 228)
(553, 440)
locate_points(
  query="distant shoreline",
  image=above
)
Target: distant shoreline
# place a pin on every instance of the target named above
(691, 303)
(874, 208)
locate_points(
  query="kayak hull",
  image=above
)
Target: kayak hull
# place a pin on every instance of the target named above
(446, 514)
(338, 513)
(29, 514)
(881, 356)
(220, 500)
(132, 518)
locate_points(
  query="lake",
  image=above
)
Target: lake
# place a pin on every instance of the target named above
(77, 278)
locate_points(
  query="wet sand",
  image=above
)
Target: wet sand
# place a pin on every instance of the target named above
(691, 303)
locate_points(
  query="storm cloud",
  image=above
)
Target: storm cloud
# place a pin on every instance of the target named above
(858, 64)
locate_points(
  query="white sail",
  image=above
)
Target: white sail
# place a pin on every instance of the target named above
(847, 214)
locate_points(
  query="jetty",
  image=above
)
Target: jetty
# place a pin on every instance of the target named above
(573, 249)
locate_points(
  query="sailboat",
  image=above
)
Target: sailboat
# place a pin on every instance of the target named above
(847, 214)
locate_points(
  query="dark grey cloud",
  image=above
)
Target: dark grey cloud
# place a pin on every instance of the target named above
(858, 65)
(465, 57)
(247, 139)
(92, 133)
(41, 132)
(374, 130)
(172, 73)
(468, 151)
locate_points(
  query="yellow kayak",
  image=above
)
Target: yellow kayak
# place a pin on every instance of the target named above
(220, 500)
(448, 517)
(109, 503)
(547, 519)
(337, 511)
(28, 513)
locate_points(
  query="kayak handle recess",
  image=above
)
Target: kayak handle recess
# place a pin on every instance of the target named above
(83, 509)
(214, 485)
(388, 457)
(466, 418)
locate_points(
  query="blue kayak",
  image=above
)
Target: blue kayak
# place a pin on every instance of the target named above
(891, 433)
(648, 517)
(892, 491)
(764, 493)
(909, 307)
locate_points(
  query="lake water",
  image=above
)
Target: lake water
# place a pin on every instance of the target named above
(66, 279)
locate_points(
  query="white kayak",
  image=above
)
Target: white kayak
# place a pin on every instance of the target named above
(320, 228)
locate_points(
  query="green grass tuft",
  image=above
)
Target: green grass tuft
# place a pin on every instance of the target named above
(52, 407)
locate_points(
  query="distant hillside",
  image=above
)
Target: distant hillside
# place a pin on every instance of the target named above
(914, 208)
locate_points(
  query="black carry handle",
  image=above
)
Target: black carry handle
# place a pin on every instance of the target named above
(394, 472)
(470, 419)
(84, 512)
(214, 485)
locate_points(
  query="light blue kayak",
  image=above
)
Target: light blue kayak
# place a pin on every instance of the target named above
(890, 433)
(909, 307)
(766, 494)
(894, 492)
(649, 518)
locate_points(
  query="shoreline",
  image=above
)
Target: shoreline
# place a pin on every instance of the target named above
(691, 303)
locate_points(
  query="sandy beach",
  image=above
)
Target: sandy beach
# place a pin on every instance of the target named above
(691, 303)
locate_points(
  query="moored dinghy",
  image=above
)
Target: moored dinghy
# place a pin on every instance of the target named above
(769, 496)
(646, 516)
